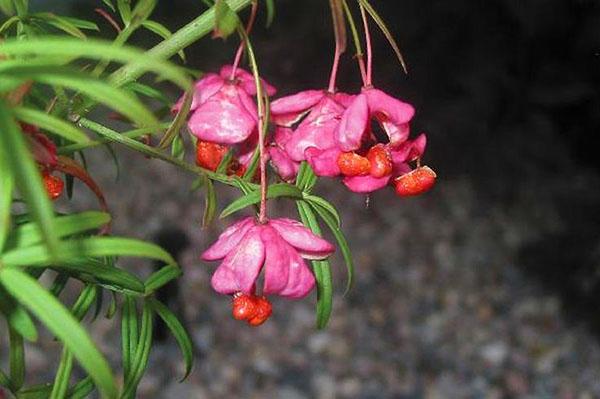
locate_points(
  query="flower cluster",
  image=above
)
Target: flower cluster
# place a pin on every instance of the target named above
(362, 139)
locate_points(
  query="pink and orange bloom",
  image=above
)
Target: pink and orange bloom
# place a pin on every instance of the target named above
(278, 248)
(224, 116)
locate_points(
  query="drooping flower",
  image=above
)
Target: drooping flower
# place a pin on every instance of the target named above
(278, 247)
(369, 161)
(313, 140)
(224, 116)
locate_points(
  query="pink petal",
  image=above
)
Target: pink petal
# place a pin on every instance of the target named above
(366, 184)
(300, 237)
(228, 239)
(352, 127)
(248, 104)
(246, 80)
(344, 99)
(283, 164)
(288, 120)
(205, 88)
(241, 266)
(323, 162)
(286, 273)
(222, 119)
(391, 112)
(296, 103)
(319, 134)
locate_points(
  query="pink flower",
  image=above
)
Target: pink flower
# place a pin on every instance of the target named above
(223, 110)
(313, 139)
(278, 247)
(392, 114)
(355, 136)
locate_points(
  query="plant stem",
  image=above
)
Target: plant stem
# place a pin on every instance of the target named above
(369, 74)
(116, 137)
(334, 68)
(262, 131)
(240, 50)
(185, 36)
(358, 50)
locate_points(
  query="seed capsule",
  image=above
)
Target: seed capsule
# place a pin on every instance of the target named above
(209, 155)
(415, 182)
(244, 307)
(352, 164)
(263, 311)
(381, 161)
(53, 184)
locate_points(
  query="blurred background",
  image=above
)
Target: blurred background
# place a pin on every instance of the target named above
(486, 287)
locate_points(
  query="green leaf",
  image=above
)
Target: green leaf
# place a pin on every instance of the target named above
(92, 247)
(6, 6)
(6, 191)
(27, 178)
(4, 380)
(178, 121)
(326, 205)
(129, 334)
(109, 4)
(81, 23)
(274, 191)
(124, 7)
(178, 331)
(306, 178)
(321, 268)
(27, 234)
(142, 353)
(57, 49)
(62, 324)
(270, 12)
(384, 29)
(60, 23)
(161, 31)
(161, 277)
(177, 148)
(63, 374)
(120, 100)
(226, 20)
(82, 389)
(50, 123)
(334, 226)
(17, 317)
(8, 23)
(16, 359)
(147, 91)
(97, 272)
(210, 204)
(142, 10)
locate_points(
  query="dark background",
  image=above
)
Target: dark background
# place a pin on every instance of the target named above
(486, 287)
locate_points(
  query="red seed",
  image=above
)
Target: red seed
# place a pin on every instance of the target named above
(264, 311)
(352, 164)
(209, 155)
(415, 182)
(381, 161)
(53, 184)
(244, 306)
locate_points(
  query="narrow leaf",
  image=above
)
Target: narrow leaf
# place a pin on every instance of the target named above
(334, 226)
(181, 336)
(16, 359)
(386, 32)
(50, 123)
(62, 324)
(17, 317)
(161, 277)
(274, 191)
(210, 203)
(27, 177)
(161, 31)
(6, 191)
(226, 20)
